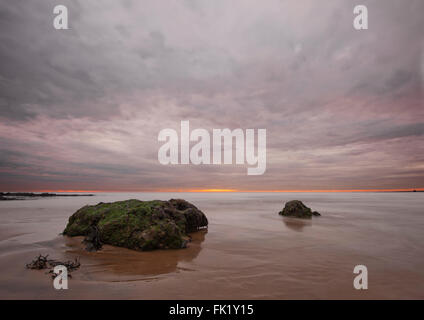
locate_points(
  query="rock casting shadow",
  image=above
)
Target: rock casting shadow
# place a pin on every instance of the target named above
(120, 261)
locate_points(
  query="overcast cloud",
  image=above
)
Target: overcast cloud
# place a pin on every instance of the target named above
(82, 108)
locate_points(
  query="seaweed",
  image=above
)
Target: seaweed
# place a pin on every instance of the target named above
(43, 262)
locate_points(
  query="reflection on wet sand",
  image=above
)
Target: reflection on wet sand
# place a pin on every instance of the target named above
(296, 224)
(116, 264)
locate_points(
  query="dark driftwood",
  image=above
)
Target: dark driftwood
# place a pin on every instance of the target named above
(92, 239)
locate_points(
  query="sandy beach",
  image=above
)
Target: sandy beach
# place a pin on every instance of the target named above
(248, 252)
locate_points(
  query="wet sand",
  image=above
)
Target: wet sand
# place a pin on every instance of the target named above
(248, 252)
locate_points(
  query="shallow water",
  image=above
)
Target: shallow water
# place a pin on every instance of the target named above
(248, 252)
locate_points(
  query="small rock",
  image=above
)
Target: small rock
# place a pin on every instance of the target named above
(297, 209)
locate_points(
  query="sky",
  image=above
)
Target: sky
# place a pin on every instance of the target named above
(81, 109)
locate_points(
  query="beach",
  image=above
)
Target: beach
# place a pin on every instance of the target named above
(248, 251)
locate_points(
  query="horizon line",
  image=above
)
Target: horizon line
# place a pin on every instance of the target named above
(219, 190)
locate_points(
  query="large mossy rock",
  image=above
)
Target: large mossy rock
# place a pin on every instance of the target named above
(297, 209)
(139, 225)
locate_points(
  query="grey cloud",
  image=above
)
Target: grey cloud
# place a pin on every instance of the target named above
(126, 69)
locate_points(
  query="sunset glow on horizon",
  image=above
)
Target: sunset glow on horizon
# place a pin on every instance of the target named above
(226, 190)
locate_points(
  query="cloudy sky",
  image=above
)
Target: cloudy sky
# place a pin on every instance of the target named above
(81, 109)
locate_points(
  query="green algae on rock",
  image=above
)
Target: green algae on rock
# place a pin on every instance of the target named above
(138, 225)
(297, 209)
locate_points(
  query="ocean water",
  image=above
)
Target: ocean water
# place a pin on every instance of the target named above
(248, 251)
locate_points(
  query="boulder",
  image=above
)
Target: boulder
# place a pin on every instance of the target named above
(138, 225)
(297, 209)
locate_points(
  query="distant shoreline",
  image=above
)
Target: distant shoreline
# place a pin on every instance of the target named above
(32, 195)
(7, 196)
